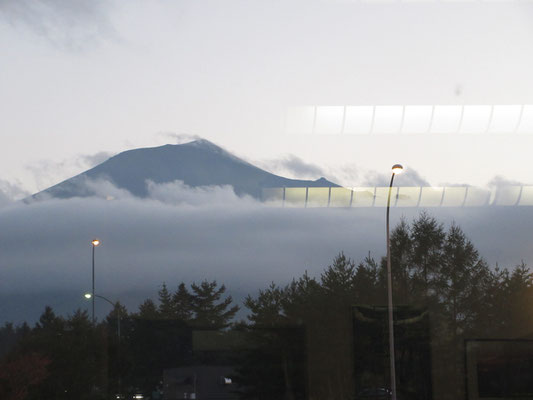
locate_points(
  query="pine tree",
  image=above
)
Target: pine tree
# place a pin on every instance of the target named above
(148, 310)
(401, 255)
(49, 321)
(118, 311)
(267, 308)
(517, 299)
(181, 302)
(459, 277)
(368, 286)
(166, 306)
(427, 239)
(338, 279)
(300, 299)
(208, 308)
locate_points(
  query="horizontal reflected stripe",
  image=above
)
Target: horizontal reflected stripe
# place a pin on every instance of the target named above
(410, 119)
(408, 196)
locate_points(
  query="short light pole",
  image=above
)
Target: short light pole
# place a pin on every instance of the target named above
(396, 169)
(92, 296)
(115, 306)
(94, 242)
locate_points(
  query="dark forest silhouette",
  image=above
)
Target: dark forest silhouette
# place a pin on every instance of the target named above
(297, 340)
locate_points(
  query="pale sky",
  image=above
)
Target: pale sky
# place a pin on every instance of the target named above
(80, 80)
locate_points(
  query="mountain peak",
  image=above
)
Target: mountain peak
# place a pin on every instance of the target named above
(203, 143)
(196, 163)
(206, 145)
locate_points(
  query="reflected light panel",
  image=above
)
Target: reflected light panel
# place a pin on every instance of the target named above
(410, 119)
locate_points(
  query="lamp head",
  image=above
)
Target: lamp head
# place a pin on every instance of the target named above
(397, 169)
(88, 295)
(95, 242)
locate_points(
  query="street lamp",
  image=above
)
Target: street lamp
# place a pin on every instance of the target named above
(115, 306)
(94, 242)
(92, 296)
(396, 169)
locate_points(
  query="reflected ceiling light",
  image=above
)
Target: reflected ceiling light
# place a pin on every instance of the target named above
(410, 119)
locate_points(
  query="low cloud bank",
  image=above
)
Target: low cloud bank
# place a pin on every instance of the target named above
(347, 175)
(10, 192)
(189, 234)
(293, 167)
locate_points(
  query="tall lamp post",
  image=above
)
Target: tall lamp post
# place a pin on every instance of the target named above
(396, 169)
(94, 242)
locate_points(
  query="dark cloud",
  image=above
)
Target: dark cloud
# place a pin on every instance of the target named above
(409, 177)
(70, 24)
(203, 233)
(499, 181)
(293, 167)
(300, 167)
(348, 175)
(451, 184)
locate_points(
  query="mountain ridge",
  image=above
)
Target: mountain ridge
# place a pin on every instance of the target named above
(196, 163)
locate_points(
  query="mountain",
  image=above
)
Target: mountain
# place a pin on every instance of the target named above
(197, 163)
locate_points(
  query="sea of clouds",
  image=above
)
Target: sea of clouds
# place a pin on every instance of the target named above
(189, 234)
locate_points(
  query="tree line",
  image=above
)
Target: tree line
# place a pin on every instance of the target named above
(297, 340)
(434, 269)
(67, 357)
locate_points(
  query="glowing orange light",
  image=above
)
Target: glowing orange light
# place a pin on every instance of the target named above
(397, 169)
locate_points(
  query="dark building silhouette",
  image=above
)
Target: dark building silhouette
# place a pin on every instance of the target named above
(499, 369)
(199, 382)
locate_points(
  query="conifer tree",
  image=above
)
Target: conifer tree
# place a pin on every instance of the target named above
(49, 321)
(208, 308)
(427, 240)
(338, 278)
(267, 308)
(181, 302)
(166, 307)
(148, 310)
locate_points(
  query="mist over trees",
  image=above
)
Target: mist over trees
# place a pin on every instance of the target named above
(297, 339)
